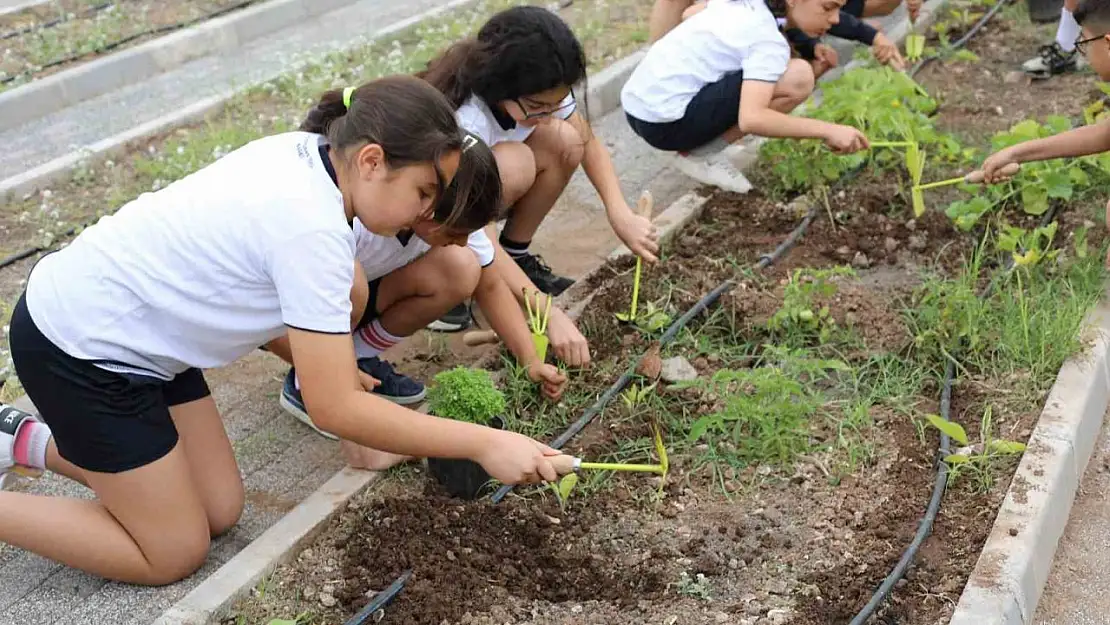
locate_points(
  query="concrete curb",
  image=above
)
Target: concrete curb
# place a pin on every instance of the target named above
(40, 177)
(1016, 560)
(132, 65)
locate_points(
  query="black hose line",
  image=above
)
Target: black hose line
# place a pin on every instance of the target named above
(380, 600)
(91, 11)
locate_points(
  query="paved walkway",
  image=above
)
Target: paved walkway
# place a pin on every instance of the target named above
(60, 133)
(1078, 590)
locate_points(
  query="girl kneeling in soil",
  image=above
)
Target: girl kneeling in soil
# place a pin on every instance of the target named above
(725, 73)
(512, 86)
(413, 278)
(1093, 42)
(112, 332)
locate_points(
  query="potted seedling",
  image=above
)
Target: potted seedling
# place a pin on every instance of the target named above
(464, 394)
(643, 208)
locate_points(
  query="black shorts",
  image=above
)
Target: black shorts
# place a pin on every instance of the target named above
(371, 313)
(711, 113)
(102, 421)
(854, 7)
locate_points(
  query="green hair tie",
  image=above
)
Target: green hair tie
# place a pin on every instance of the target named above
(347, 93)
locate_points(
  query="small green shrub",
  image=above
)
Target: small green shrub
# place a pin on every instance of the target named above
(466, 394)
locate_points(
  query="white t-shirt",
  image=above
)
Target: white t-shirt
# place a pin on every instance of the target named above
(726, 36)
(207, 269)
(475, 115)
(380, 255)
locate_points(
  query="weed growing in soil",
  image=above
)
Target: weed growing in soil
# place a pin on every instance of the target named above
(983, 459)
(797, 321)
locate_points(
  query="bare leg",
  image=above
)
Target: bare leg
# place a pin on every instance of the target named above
(558, 149)
(791, 90)
(148, 526)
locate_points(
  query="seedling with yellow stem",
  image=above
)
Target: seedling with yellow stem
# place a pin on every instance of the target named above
(643, 208)
(537, 321)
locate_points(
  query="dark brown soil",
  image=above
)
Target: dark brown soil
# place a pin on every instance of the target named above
(469, 557)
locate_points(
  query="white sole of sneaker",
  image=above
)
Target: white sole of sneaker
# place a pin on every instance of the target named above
(442, 326)
(303, 417)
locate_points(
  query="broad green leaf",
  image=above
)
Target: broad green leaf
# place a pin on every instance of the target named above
(1057, 184)
(1007, 447)
(566, 485)
(956, 459)
(700, 427)
(1034, 199)
(1078, 176)
(1057, 124)
(966, 55)
(954, 430)
(282, 621)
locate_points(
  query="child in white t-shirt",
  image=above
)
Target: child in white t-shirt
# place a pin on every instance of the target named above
(512, 86)
(724, 73)
(416, 276)
(113, 332)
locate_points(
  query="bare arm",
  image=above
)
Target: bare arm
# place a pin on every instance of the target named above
(505, 317)
(634, 231)
(758, 118)
(1078, 142)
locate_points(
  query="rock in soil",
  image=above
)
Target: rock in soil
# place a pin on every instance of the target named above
(678, 369)
(652, 365)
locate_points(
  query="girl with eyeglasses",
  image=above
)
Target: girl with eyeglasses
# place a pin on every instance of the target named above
(513, 86)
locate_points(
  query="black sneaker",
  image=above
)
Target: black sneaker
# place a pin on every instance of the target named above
(395, 387)
(458, 318)
(540, 274)
(1052, 60)
(292, 403)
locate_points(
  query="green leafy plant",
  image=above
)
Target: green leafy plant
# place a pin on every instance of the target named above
(563, 489)
(466, 394)
(696, 586)
(1028, 247)
(652, 319)
(799, 312)
(765, 410)
(635, 394)
(979, 459)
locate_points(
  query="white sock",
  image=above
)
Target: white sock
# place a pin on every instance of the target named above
(373, 339)
(1067, 31)
(30, 444)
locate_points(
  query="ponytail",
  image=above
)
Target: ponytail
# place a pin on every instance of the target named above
(452, 73)
(327, 110)
(777, 7)
(473, 199)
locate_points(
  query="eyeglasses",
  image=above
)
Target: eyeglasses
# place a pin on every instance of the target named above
(547, 110)
(1081, 44)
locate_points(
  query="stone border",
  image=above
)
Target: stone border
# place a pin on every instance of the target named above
(213, 597)
(1015, 562)
(49, 172)
(223, 34)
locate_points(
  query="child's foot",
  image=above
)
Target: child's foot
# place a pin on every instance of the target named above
(1052, 60)
(395, 387)
(715, 169)
(456, 319)
(12, 420)
(541, 275)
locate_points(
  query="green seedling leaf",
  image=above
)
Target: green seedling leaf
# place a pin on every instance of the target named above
(954, 430)
(566, 485)
(1034, 200)
(966, 55)
(1008, 448)
(957, 459)
(1058, 184)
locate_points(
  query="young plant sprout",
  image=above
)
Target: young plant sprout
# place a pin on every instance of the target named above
(538, 322)
(643, 207)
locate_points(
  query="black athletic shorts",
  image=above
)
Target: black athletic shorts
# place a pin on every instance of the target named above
(854, 7)
(371, 313)
(711, 113)
(102, 421)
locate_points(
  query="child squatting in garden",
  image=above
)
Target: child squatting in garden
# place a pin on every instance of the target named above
(725, 73)
(512, 85)
(1093, 42)
(113, 331)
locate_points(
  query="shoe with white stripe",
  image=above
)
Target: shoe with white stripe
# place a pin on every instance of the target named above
(12, 421)
(713, 166)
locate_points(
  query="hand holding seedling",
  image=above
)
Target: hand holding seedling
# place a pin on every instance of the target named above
(552, 381)
(887, 53)
(638, 233)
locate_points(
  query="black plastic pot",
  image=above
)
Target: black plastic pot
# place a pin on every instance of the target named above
(464, 479)
(1044, 11)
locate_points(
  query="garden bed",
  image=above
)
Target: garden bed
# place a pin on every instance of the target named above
(801, 457)
(48, 38)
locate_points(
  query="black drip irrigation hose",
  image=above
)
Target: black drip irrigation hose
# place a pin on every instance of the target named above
(161, 30)
(89, 12)
(962, 41)
(380, 600)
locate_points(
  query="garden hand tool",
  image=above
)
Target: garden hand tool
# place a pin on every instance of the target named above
(566, 463)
